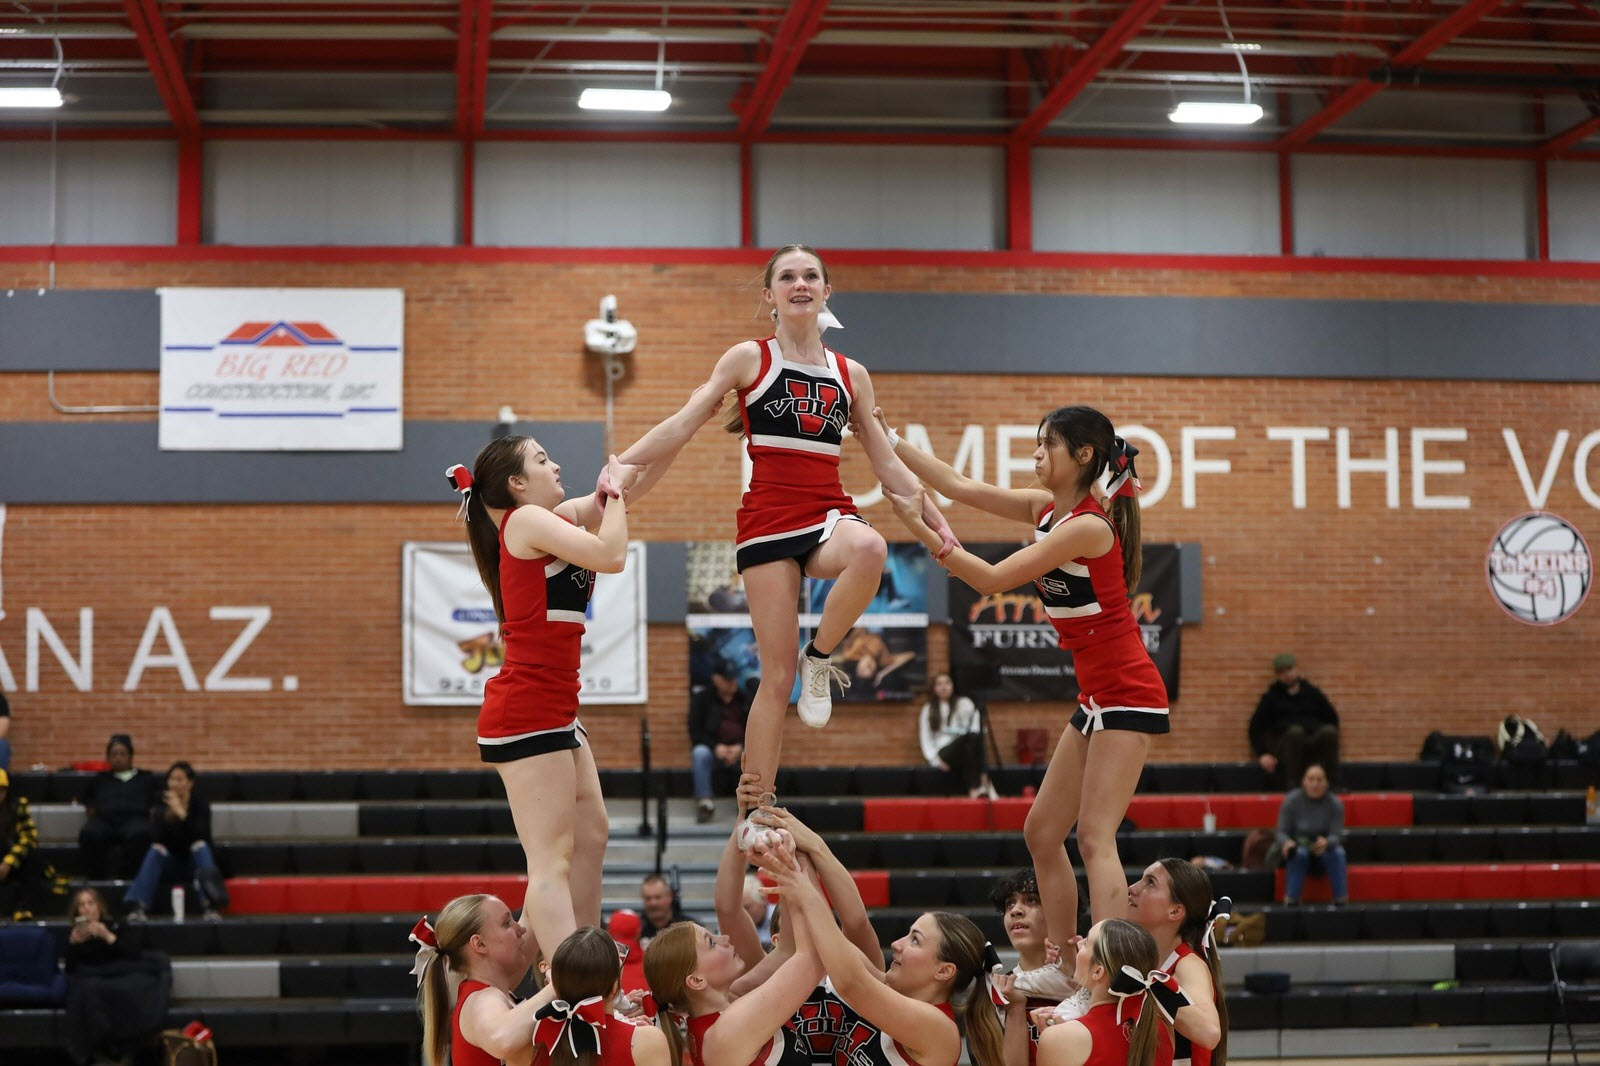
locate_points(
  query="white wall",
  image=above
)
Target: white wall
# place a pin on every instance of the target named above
(107, 192)
(598, 195)
(1207, 203)
(1574, 191)
(1413, 208)
(871, 196)
(328, 192)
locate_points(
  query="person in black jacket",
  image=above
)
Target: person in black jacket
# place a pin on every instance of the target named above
(181, 826)
(117, 993)
(114, 838)
(1294, 726)
(717, 716)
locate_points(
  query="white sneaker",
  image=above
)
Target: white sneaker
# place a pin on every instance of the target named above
(1049, 981)
(1073, 1007)
(816, 700)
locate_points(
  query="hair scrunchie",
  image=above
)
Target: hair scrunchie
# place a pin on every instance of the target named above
(460, 479)
(427, 946)
(992, 968)
(1124, 481)
(580, 1023)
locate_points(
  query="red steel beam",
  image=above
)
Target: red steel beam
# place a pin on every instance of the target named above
(1441, 33)
(1103, 51)
(1570, 137)
(156, 44)
(800, 24)
(472, 65)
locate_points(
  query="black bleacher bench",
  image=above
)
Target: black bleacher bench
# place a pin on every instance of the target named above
(262, 1023)
(279, 786)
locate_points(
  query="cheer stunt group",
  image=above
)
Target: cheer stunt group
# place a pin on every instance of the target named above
(1142, 987)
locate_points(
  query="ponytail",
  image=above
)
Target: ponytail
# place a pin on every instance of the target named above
(733, 414)
(435, 1011)
(484, 539)
(1125, 513)
(498, 461)
(985, 1037)
(1146, 1032)
(667, 1023)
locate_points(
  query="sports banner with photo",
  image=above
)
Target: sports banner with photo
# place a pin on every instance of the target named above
(1004, 646)
(281, 369)
(885, 654)
(451, 640)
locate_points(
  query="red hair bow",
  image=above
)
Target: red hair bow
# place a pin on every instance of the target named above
(460, 479)
(427, 946)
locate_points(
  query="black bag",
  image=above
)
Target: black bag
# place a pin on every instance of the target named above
(1524, 756)
(1564, 746)
(1466, 764)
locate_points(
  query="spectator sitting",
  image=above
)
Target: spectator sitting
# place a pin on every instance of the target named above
(5, 729)
(659, 906)
(717, 716)
(1294, 725)
(952, 737)
(1310, 823)
(181, 826)
(25, 880)
(113, 840)
(116, 995)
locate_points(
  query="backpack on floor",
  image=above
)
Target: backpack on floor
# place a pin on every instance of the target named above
(1466, 763)
(1524, 756)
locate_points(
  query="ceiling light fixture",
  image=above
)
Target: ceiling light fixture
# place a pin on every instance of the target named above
(657, 99)
(625, 100)
(37, 97)
(1222, 113)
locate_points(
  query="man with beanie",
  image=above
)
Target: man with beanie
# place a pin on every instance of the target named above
(1294, 726)
(118, 801)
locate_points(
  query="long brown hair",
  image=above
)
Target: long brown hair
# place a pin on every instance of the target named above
(497, 463)
(459, 921)
(668, 962)
(584, 965)
(1191, 887)
(1122, 943)
(1075, 427)
(732, 418)
(962, 943)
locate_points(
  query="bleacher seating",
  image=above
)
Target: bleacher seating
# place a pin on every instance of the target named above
(328, 869)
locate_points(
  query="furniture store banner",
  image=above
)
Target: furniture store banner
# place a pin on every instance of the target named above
(1004, 646)
(281, 369)
(451, 639)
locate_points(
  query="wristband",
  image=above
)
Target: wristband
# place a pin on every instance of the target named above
(894, 438)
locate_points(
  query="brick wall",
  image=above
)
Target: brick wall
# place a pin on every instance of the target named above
(1388, 608)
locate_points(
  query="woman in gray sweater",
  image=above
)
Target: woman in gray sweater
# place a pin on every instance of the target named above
(1310, 823)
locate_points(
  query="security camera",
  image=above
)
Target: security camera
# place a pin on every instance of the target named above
(609, 335)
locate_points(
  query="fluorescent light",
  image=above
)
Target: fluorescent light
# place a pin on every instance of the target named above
(30, 97)
(625, 100)
(1197, 112)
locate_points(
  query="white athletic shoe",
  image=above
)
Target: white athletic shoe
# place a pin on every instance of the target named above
(1049, 981)
(1073, 1007)
(816, 700)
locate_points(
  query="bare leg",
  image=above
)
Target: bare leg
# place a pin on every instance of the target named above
(592, 829)
(1109, 780)
(854, 557)
(1050, 819)
(773, 590)
(542, 791)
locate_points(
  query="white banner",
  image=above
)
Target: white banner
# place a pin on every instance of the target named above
(281, 369)
(451, 642)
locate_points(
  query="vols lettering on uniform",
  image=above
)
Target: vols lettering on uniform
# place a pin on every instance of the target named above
(814, 404)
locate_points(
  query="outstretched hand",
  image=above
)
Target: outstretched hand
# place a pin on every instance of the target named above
(620, 475)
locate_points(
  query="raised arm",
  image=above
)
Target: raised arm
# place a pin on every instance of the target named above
(735, 370)
(1021, 505)
(728, 899)
(836, 881)
(1084, 537)
(534, 531)
(886, 466)
(927, 1035)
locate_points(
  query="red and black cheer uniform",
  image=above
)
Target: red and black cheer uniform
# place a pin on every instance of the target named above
(1035, 1003)
(1184, 1053)
(463, 1053)
(616, 1045)
(531, 706)
(833, 1034)
(783, 1048)
(1111, 1037)
(1087, 601)
(794, 418)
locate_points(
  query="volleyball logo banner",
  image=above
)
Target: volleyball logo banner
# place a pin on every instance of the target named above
(451, 640)
(1003, 645)
(281, 369)
(1540, 568)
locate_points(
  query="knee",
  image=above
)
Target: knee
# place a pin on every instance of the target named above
(1041, 836)
(1294, 734)
(160, 849)
(1093, 844)
(873, 553)
(779, 674)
